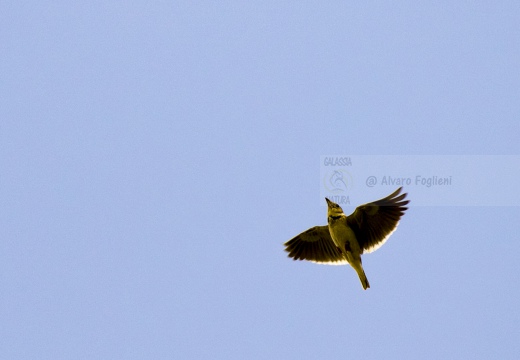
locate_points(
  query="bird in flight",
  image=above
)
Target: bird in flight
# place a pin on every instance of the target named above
(345, 238)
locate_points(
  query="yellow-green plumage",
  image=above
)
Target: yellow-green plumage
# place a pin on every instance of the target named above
(345, 238)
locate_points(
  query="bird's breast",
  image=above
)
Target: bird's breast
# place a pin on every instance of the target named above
(342, 234)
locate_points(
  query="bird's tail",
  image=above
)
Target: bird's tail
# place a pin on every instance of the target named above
(363, 278)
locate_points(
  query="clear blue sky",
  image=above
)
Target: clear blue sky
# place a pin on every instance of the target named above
(154, 156)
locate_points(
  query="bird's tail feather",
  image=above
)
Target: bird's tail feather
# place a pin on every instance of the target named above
(363, 278)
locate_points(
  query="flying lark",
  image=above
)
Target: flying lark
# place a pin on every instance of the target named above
(345, 238)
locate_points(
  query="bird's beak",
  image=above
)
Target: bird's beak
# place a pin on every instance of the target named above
(328, 202)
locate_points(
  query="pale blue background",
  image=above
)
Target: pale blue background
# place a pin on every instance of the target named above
(154, 156)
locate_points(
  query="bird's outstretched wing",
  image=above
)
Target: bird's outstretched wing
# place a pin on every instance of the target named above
(315, 245)
(373, 223)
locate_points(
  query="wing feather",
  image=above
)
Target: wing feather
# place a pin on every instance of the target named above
(373, 223)
(316, 245)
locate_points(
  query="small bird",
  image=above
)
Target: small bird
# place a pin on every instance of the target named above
(345, 238)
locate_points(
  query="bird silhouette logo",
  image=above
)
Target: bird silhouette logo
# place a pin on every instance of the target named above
(338, 181)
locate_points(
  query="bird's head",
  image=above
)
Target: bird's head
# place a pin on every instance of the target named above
(333, 208)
